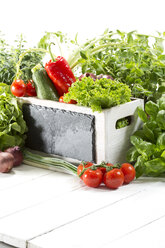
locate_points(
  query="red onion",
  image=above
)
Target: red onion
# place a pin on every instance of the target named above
(17, 153)
(6, 161)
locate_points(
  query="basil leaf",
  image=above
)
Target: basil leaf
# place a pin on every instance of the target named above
(148, 133)
(152, 109)
(161, 119)
(143, 147)
(155, 167)
(161, 141)
(142, 114)
(132, 154)
(140, 166)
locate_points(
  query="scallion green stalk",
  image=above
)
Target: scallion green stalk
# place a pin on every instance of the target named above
(47, 162)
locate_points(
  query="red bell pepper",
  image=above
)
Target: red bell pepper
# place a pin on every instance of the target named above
(60, 73)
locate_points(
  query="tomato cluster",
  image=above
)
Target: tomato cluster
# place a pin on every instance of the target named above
(113, 176)
(20, 89)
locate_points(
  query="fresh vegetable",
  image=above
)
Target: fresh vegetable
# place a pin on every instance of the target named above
(33, 159)
(113, 176)
(60, 73)
(128, 171)
(103, 168)
(61, 99)
(30, 89)
(12, 124)
(135, 59)
(43, 84)
(92, 178)
(148, 151)
(6, 161)
(82, 166)
(17, 154)
(113, 179)
(9, 57)
(99, 94)
(18, 88)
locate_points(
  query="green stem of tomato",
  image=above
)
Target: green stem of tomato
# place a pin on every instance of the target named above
(95, 166)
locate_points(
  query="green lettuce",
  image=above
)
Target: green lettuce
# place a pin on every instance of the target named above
(100, 94)
(12, 124)
(148, 150)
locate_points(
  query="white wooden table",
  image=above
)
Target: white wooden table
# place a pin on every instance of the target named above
(45, 209)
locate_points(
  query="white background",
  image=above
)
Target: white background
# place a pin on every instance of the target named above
(87, 17)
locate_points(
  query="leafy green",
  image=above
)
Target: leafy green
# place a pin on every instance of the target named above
(9, 57)
(100, 94)
(12, 124)
(148, 150)
(135, 59)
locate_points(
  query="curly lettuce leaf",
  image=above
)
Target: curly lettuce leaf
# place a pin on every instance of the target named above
(100, 94)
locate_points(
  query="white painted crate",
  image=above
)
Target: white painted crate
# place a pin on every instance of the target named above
(109, 144)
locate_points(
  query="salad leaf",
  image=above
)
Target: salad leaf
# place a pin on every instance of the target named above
(148, 151)
(12, 124)
(100, 94)
(155, 167)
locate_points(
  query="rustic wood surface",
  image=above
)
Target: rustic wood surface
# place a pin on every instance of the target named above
(46, 209)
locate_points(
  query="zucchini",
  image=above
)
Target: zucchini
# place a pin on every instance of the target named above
(44, 87)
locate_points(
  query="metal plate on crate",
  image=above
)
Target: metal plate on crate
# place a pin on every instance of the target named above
(60, 132)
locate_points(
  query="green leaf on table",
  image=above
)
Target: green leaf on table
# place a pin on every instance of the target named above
(140, 166)
(145, 148)
(148, 133)
(132, 154)
(161, 103)
(151, 109)
(163, 154)
(161, 119)
(161, 141)
(155, 167)
(142, 114)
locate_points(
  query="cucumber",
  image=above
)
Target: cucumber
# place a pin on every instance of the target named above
(45, 88)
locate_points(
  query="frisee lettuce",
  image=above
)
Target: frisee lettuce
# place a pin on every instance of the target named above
(12, 124)
(100, 94)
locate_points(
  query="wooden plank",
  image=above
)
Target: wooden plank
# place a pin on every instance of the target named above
(20, 175)
(102, 227)
(29, 223)
(33, 192)
(150, 235)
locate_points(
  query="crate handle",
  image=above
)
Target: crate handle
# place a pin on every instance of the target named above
(124, 122)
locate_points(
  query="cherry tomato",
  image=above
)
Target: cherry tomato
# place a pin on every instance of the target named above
(128, 171)
(103, 169)
(18, 88)
(30, 89)
(61, 99)
(114, 178)
(92, 178)
(80, 168)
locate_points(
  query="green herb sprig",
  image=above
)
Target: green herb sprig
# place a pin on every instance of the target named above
(9, 57)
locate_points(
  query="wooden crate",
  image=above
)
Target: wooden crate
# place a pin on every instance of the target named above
(77, 133)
